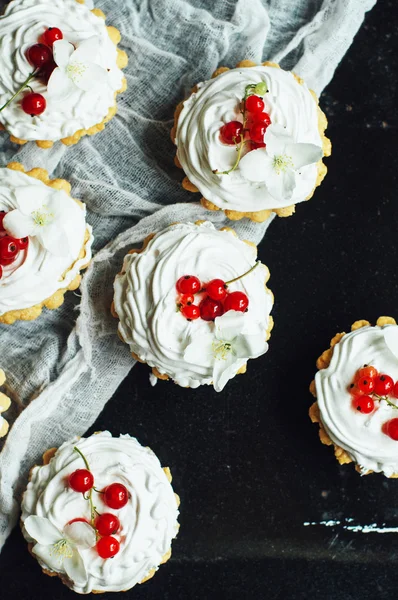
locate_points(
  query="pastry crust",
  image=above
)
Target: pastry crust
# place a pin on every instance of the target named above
(261, 215)
(121, 61)
(165, 376)
(322, 363)
(57, 299)
(47, 456)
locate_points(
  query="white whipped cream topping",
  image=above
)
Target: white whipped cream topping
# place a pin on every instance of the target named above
(145, 295)
(21, 26)
(216, 102)
(359, 434)
(148, 521)
(37, 274)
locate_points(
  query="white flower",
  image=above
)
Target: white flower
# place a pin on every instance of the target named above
(391, 339)
(224, 348)
(76, 69)
(277, 164)
(60, 550)
(39, 214)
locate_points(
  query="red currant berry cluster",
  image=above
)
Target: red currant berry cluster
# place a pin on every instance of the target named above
(369, 387)
(252, 129)
(106, 525)
(10, 247)
(216, 299)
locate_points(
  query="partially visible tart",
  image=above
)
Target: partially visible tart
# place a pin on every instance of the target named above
(44, 242)
(63, 64)
(251, 141)
(193, 304)
(5, 404)
(356, 388)
(100, 513)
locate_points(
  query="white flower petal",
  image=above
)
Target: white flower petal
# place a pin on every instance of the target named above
(201, 350)
(81, 534)
(75, 569)
(224, 370)
(53, 239)
(88, 75)
(17, 224)
(276, 138)
(87, 50)
(62, 51)
(250, 346)
(255, 164)
(50, 557)
(281, 185)
(42, 530)
(304, 154)
(29, 198)
(229, 325)
(391, 339)
(60, 86)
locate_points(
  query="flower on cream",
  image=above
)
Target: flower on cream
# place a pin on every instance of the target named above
(60, 551)
(278, 164)
(234, 339)
(41, 215)
(76, 69)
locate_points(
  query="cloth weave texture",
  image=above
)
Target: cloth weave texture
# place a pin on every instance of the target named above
(62, 368)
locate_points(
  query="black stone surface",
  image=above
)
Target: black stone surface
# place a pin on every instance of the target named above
(247, 462)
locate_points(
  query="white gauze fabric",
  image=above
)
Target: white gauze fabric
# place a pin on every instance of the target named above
(63, 368)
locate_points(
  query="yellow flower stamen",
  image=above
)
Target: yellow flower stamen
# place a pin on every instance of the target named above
(282, 162)
(63, 549)
(75, 71)
(221, 349)
(41, 217)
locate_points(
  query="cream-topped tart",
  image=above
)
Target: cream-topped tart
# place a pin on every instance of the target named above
(44, 242)
(100, 513)
(193, 304)
(61, 71)
(356, 389)
(251, 141)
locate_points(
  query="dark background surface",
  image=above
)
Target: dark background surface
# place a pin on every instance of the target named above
(247, 463)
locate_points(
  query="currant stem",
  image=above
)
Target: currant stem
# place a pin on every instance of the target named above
(244, 274)
(23, 86)
(239, 148)
(387, 400)
(83, 457)
(93, 509)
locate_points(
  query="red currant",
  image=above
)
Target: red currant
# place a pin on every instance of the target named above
(78, 520)
(53, 34)
(188, 284)
(216, 289)
(108, 546)
(255, 146)
(366, 385)
(262, 117)
(8, 250)
(254, 104)
(81, 480)
(363, 404)
(230, 132)
(257, 132)
(39, 56)
(384, 385)
(186, 299)
(1, 272)
(366, 371)
(354, 390)
(2, 215)
(191, 312)
(391, 429)
(210, 309)
(236, 301)
(116, 495)
(107, 524)
(22, 243)
(47, 71)
(395, 391)
(34, 104)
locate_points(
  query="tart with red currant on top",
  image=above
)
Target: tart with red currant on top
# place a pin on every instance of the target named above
(44, 242)
(61, 71)
(356, 389)
(251, 141)
(193, 304)
(5, 404)
(96, 499)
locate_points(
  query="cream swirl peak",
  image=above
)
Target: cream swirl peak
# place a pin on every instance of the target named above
(148, 521)
(21, 27)
(203, 156)
(195, 352)
(361, 434)
(37, 273)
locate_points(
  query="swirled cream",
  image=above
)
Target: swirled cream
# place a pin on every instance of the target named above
(21, 26)
(360, 435)
(148, 521)
(37, 274)
(217, 102)
(145, 295)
